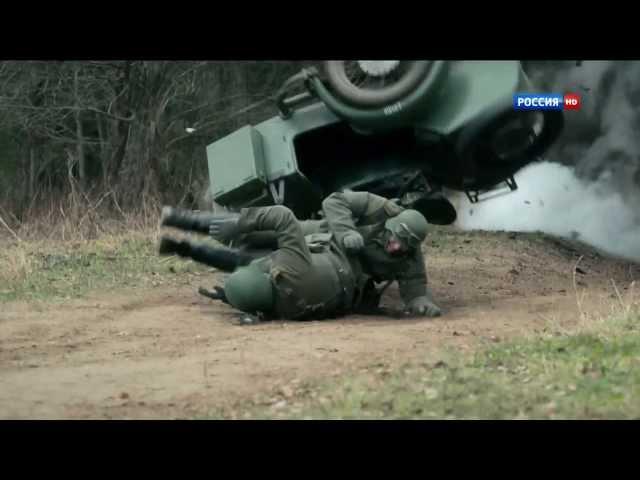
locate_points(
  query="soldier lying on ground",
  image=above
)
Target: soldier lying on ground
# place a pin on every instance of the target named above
(297, 281)
(381, 239)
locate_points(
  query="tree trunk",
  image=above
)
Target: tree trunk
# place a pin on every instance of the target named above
(82, 173)
(104, 151)
(122, 129)
(32, 171)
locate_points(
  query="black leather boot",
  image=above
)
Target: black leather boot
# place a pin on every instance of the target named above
(223, 259)
(169, 246)
(186, 219)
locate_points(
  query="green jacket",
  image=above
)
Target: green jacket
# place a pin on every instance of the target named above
(308, 284)
(367, 213)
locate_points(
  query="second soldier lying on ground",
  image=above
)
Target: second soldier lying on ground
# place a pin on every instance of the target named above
(365, 238)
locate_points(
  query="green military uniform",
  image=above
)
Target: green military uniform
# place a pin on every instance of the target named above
(311, 280)
(265, 241)
(367, 214)
(262, 230)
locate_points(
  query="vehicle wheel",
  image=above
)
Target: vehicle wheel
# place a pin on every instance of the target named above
(436, 208)
(375, 83)
(528, 134)
(499, 148)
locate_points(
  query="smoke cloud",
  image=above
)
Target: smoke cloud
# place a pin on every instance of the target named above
(589, 187)
(551, 199)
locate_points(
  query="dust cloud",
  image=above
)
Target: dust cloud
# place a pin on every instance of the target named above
(589, 186)
(551, 199)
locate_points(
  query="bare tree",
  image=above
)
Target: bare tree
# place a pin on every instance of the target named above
(127, 126)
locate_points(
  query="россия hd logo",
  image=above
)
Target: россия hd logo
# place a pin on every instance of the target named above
(546, 101)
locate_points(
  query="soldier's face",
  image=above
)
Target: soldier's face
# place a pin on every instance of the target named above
(396, 246)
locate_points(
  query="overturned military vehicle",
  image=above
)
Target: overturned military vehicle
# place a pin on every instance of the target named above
(403, 129)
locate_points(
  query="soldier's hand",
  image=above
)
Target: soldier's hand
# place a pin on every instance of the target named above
(424, 306)
(353, 241)
(224, 227)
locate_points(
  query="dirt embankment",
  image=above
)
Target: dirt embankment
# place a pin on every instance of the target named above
(170, 353)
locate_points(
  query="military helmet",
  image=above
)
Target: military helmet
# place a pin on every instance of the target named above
(410, 226)
(249, 289)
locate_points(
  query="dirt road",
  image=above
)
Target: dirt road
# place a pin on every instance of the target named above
(170, 353)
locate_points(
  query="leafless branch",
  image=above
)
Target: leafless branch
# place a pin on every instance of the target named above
(15, 235)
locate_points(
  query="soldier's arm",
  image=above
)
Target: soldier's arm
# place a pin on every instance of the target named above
(412, 281)
(280, 220)
(343, 210)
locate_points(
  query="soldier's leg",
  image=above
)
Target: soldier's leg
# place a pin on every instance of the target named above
(257, 244)
(258, 241)
(265, 241)
(224, 259)
(187, 220)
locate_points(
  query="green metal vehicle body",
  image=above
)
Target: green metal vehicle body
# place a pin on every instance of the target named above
(439, 134)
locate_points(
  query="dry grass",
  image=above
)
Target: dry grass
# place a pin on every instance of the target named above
(75, 244)
(54, 225)
(77, 216)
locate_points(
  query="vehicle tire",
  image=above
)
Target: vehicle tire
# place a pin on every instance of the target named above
(437, 209)
(494, 150)
(363, 84)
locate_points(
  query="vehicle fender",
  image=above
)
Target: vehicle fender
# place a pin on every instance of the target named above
(473, 89)
(400, 113)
